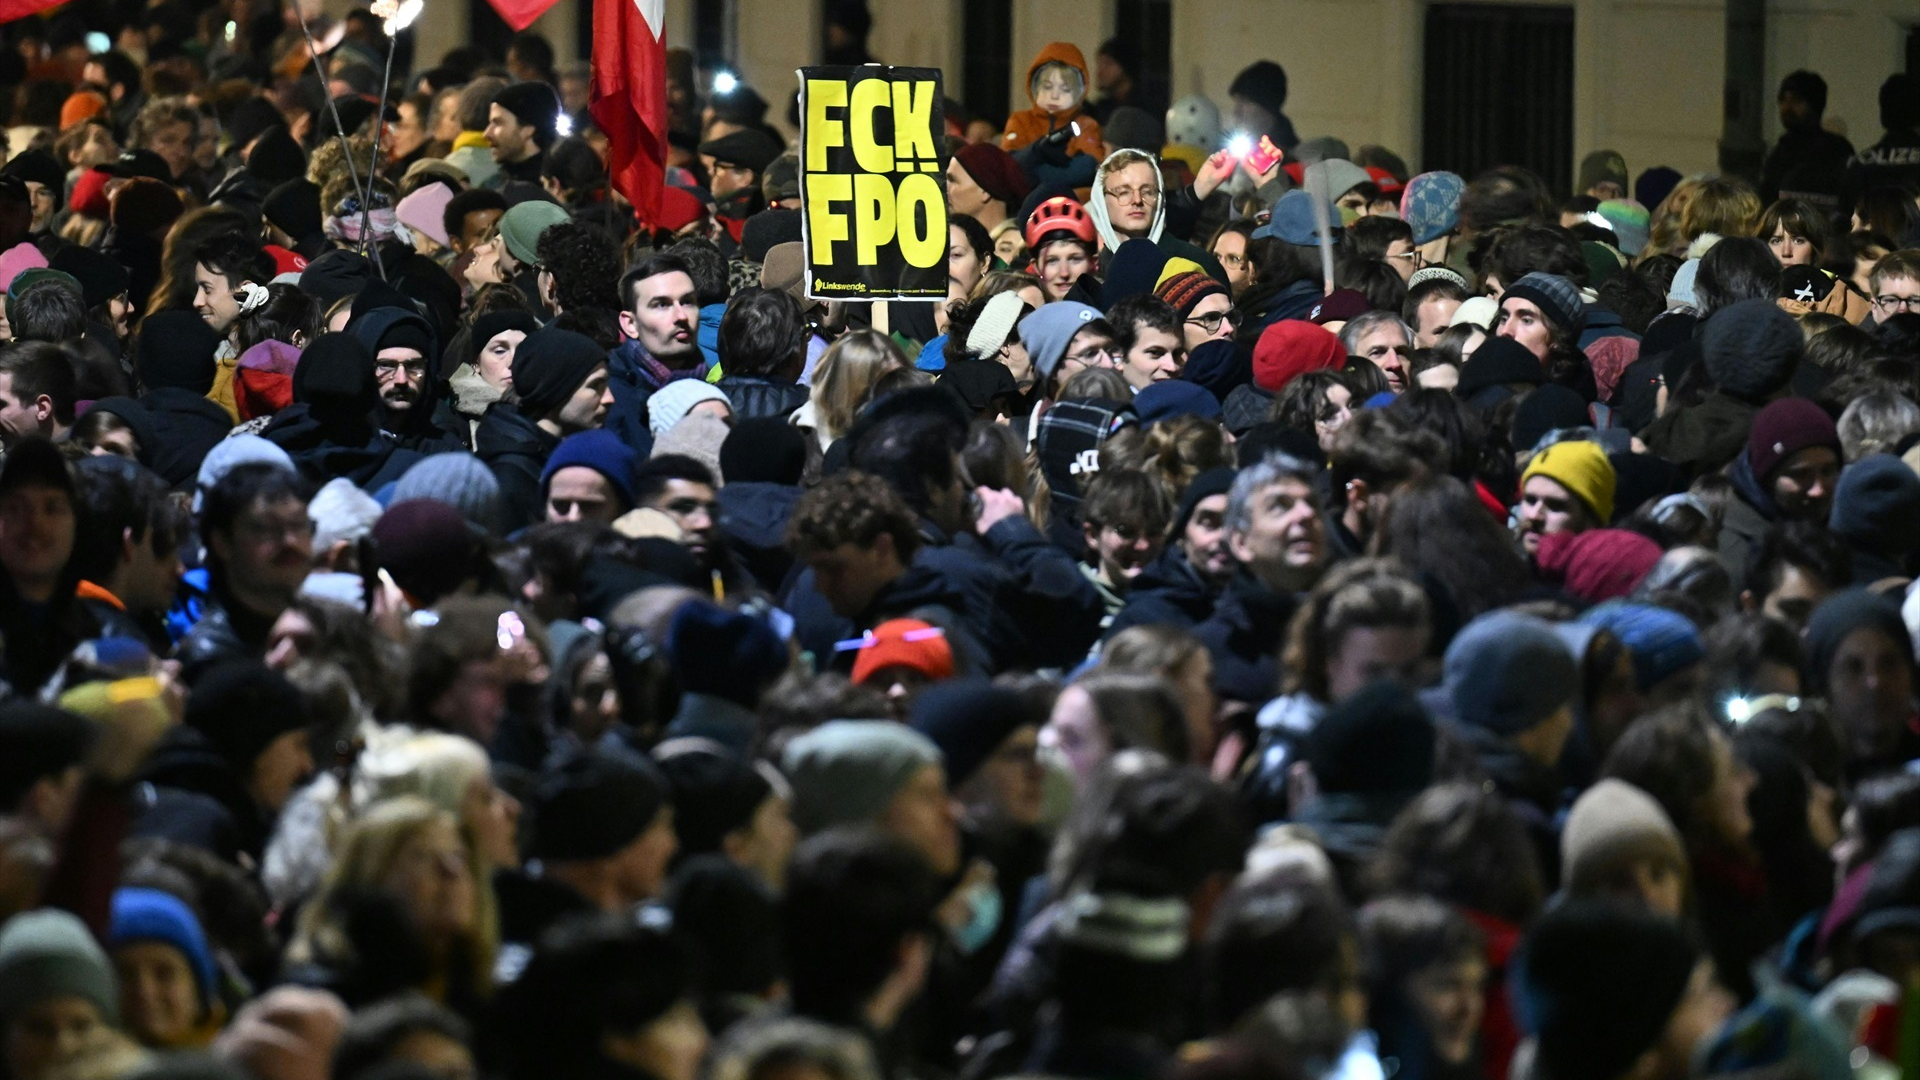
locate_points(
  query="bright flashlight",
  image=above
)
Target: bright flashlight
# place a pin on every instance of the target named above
(725, 82)
(563, 125)
(404, 17)
(1240, 145)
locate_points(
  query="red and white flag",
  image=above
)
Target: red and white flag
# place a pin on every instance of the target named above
(630, 97)
(520, 14)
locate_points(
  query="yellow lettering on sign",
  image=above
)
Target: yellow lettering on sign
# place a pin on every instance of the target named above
(823, 134)
(868, 95)
(924, 250)
(913, 135)
(826, 226)
(873, 217)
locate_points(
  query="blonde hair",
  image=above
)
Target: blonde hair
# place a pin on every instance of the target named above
(1663, 226)
(430, 765)
(1722, 205)
(845, 376)
(372, 845)
(995, 282)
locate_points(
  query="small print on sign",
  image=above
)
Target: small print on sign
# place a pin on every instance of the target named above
(873, 183)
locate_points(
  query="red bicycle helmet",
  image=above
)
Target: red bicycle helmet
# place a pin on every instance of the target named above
(1058, 214)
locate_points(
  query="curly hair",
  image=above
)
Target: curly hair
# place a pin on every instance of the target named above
(584, 263)
(160, 113)
(852, 508)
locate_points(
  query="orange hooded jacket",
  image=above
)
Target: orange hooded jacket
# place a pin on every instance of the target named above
(1029, 126)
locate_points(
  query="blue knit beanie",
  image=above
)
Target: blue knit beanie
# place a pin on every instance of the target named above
(600, 450)
(1663, 643)
(1507, 672)
(152, 915)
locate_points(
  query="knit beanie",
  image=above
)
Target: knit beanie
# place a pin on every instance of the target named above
(1185, 291)
(294, 208)
(1596, 984)
(593, 803)
(18, 259)
(1292, 220)
(1582, 468)
(714, 793)
(532, 103)
(341, 512)
(1602, 167)
(241, 707)
(1680, 289)
(144, 207)
(846, 772)
(1264, 83)
(1431, 205)
(427, 546)
(767, 230)
(335, 377)
(335, 275)
(1194, 121)
(1631, 224)
(1784, 428)
(1145, 930)
(1556, 297)
(1049, 329)
(232, 452)
(1133, 269)
(37, 742)
(1877, 504)
(968, 719)
(101, 277)
(1133, 128)
(1611, 826)
(700, 437)
(996, 172)
(46, 954)
(1654, 185)
(1599, 564)
(1376, 741)
(152, 915)
(1750, 348)
(600, 450)
(39, 167)
(1215, 481)
(89, 197)
(494, 323)
(425, 211)
(1069, 432)
(1507, 672)
(458, 479)
(994, 325)
(81, 106)
(521, 226)
(1499, 362)
(1838, 617)
(1663, 643)
(278, 159)
(1291, 348)
(764, 450)
(1170, 398)
(907, 643)
(727, 654)
(550, 365)
(1548, 409)
(669, 404)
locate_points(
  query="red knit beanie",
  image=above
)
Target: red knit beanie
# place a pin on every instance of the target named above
(1289, 349)
(1783, 429)
(1599, 564)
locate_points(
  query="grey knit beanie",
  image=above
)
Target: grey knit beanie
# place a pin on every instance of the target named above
(458, 479)
(845, 772)
(47, 954)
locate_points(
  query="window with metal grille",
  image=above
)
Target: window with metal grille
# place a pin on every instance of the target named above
(1499, 90)
(986, 67)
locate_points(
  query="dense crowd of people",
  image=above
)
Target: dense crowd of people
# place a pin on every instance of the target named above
(1284, 616)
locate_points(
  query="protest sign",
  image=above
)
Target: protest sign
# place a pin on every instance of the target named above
(872, 183)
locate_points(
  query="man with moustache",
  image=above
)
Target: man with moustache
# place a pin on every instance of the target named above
(403, 347)
(660, 319)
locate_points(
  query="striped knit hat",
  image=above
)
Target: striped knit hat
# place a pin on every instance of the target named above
(1185, 291)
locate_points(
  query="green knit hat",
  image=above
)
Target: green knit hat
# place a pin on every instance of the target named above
(47, 954)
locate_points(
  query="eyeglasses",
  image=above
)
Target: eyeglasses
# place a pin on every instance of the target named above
(1145, 194)
(1410, 256)
(387, 369)
(1211, 322)
(1892, 304)
(1232, 260)
(1096, 356)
